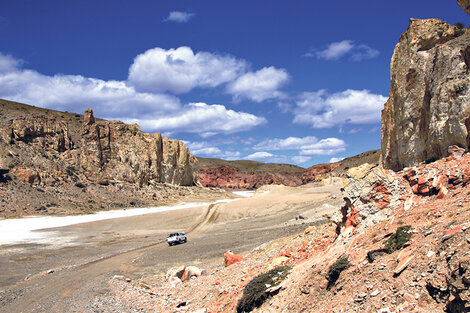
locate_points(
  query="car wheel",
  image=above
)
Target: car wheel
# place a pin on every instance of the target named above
(185, 240)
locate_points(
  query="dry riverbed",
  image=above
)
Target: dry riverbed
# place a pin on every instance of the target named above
(70, 275)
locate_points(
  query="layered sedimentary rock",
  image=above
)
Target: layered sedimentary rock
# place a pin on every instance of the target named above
(117, 151)
(106, 151)
(428, 109)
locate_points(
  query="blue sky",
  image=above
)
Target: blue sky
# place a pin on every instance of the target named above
(299, 82)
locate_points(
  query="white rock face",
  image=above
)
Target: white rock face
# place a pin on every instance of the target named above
(428, 109)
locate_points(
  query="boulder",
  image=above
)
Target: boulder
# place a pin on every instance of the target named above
(231, 258)
(429, 105)
(190, 272)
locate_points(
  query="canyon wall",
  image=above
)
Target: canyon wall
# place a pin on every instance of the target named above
(41, 150)
(428, 109)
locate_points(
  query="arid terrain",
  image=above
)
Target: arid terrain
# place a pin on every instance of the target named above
(72, 275)
(385, 231)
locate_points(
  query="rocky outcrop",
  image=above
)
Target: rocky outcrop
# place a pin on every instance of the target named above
(464, 4)
(369, 190)
(40, 132)
(428, 109)
(107, 151)
(117, 151)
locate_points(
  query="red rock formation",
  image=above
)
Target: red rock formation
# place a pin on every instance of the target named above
(233, 178)
(231, 258)
(318, 172)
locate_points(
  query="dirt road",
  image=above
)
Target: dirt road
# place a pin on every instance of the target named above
(57, 278)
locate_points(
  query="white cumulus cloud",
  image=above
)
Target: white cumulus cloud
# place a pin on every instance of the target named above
(179, 17)
(9, 63)
(309, 145)
(337, 50)
(203, 119)
(327, 146)
(260, 85)
(210, 150)
(110, 99)
(334, 160)
(260, 156)
(301, 159)
(180, 70)
(319, 109)
(290, 143)
(118, 100)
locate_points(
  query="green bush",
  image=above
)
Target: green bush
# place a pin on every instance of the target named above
(254, 293)
(333, 272)
(398, 239)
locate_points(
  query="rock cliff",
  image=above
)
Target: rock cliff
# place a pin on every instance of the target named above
(84, 164)
(107, 151)
(428, 109)
(117, 151)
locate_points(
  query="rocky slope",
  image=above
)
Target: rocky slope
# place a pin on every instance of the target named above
(429, 273)
(245, 174)
(428, 109)
(85, 164)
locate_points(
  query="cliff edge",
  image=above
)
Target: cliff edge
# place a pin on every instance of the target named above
(428, 109)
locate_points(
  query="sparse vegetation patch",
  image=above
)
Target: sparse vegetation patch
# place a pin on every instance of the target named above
(255, 294)
(398, 239)
(335, 270)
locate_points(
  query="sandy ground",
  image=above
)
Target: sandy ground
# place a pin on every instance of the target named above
(66, 276)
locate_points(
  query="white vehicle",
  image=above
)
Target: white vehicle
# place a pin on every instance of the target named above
(175, 238)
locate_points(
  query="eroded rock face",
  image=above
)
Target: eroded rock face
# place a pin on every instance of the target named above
(41, 132)
(117, 151)
(368, 192)
(108, 151)
(428, 109)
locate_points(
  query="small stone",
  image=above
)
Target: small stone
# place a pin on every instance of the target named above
(430, 253)
(50, 271)
(374, 293)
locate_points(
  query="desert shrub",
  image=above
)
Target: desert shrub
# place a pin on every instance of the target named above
(459, 25)
(335, 269)
(398, 239)
(254, 293)
(80, 185)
